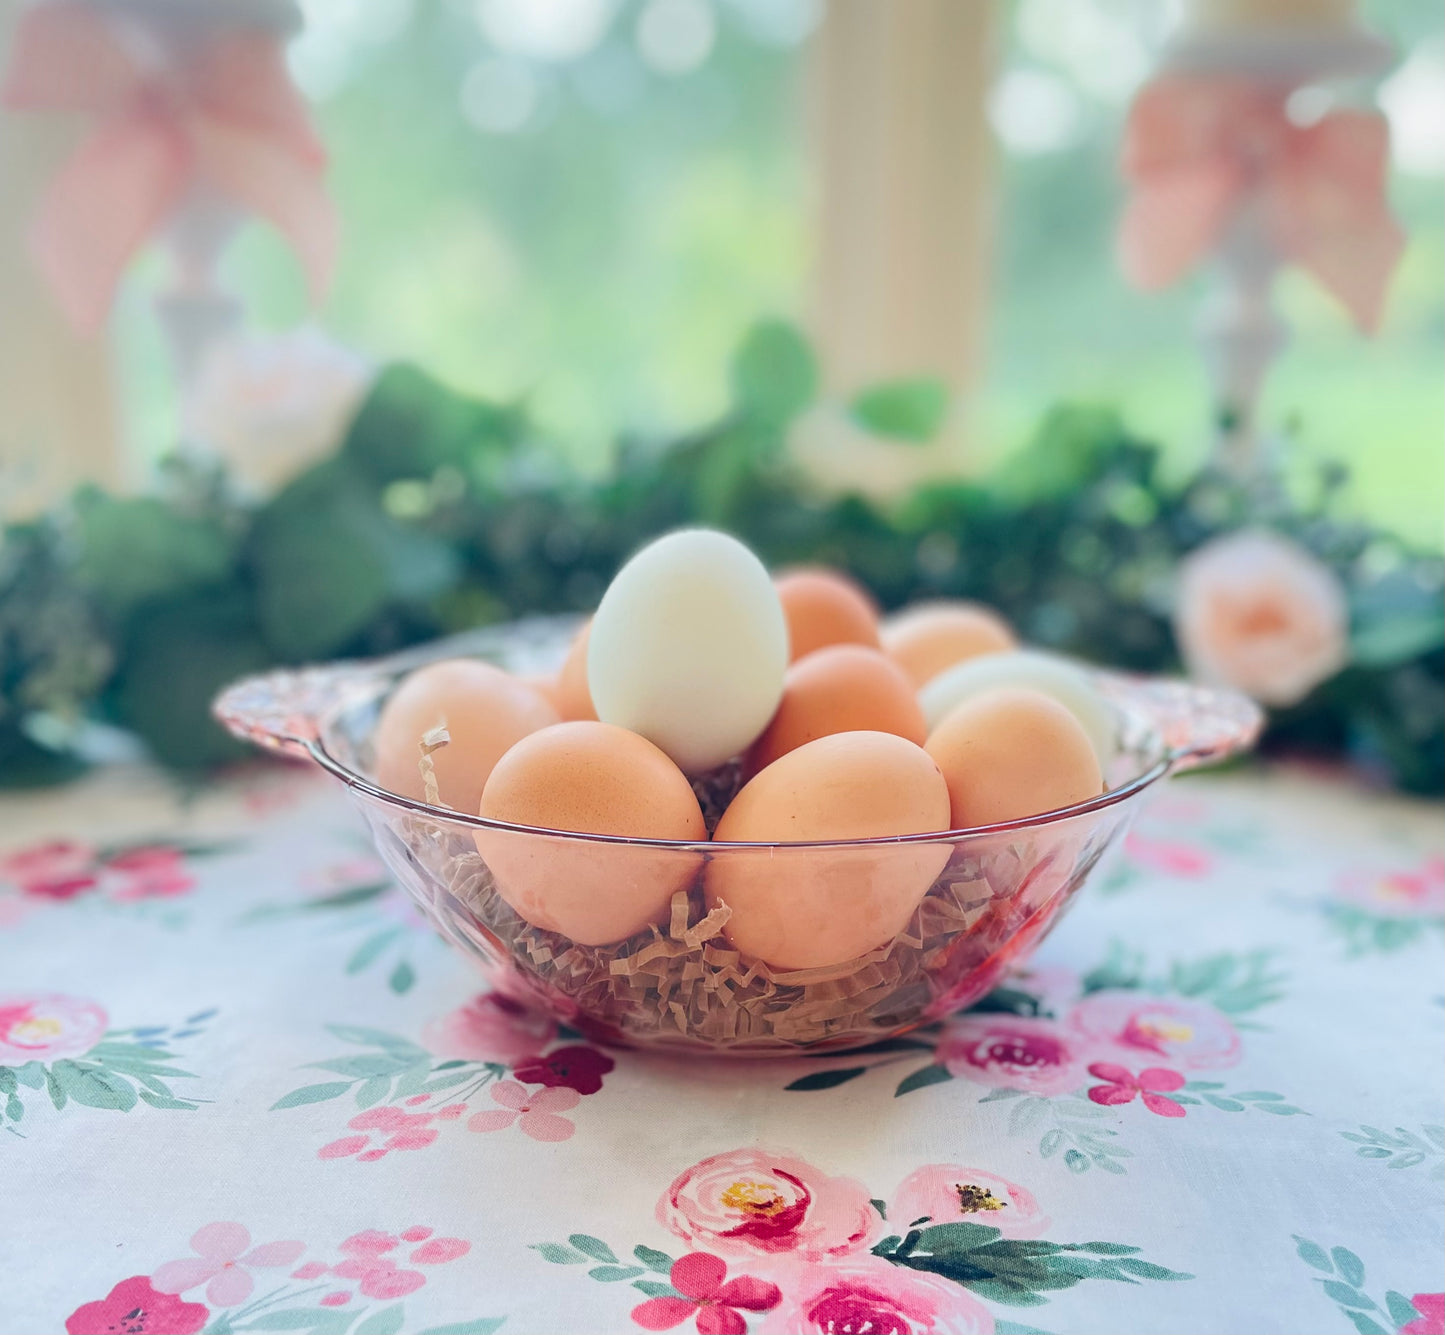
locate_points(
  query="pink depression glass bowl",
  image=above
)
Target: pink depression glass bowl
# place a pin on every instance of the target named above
(679, 985)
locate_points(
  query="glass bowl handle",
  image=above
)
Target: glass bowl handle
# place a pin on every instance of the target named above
(1200, 725)
(282, 710)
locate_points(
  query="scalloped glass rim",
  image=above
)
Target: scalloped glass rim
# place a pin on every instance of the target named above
(1166, 725)
(316, 747)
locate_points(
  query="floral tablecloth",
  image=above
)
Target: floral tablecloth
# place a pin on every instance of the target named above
(245, 1089)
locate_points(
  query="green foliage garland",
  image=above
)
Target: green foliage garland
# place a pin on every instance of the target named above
(437, 513)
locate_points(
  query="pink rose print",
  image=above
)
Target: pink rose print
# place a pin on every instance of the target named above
(1122, 1086)
(574, 1066)
(947, 1193)
(749, 1201)
(866, 1294)
(47, 1027)
(222, 1264)
(63, 868)
(397, 1128)
(1191, 1035)
(133, 1307)
(535, 1111)
(1012, 1052)
(58, 869)
(719, 1306)
(378, 1275)
(1431, 1320)
(1169, 856)
(1418, 893)
(489, 1028)
(157, 872)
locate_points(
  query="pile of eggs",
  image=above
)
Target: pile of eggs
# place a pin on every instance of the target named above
(846, 728)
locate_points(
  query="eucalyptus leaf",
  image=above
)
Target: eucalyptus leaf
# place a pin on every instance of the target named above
(137, 549)
(908, 410)
(178, 655)
(312, 1094)
(654, 1260)
(1402, 1310)
(487, 1325)
(593, 1247)
(921, 1079)
(774, 372)
(827, 1079)
(388, 1321)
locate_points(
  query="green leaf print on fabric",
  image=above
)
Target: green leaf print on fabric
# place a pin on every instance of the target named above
(1381, 911)
(1404, 1149)
(970, 1235)
(396, 1068)
(1016, 1271)
(1343, 1281)
(224, 1285)
(60, 1044)
(1070, 1053)
(363, 901)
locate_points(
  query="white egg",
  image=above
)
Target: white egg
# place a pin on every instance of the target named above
(689, 647)
(1041, 672)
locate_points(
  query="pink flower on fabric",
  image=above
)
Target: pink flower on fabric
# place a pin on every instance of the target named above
(1416, 893)
(222, 1263)
(1122, 1086)
(47, 1027)
(867, 1294)
(370, 1242)
(574, 1066)
(1431, 1320)
(489, 1028)
(1013, 1052)
(399, 1130)
(379, 1275)
(1191, 1035)
(749, 1201)
(56, 869)
(134, 1307)
(947, 1193)
(534, 1111)
(719, 1306)
(156, 872)
(1170, 856)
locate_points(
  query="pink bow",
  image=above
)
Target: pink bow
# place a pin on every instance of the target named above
(1196, 148)
(223, 113)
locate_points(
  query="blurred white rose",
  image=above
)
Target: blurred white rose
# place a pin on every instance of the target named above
(1259, 613)
(270, 405)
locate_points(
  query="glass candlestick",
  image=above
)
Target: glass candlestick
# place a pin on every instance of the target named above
(1240, 329)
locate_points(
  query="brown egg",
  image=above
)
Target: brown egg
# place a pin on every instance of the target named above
(1011, 753)
(595, 779)
(843, 688)
(574, 700)
(926, 639)
(824, 607)
(484, 709)
(546, 687)
(800, 908)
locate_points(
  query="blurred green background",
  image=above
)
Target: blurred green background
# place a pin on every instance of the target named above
(585, 203)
